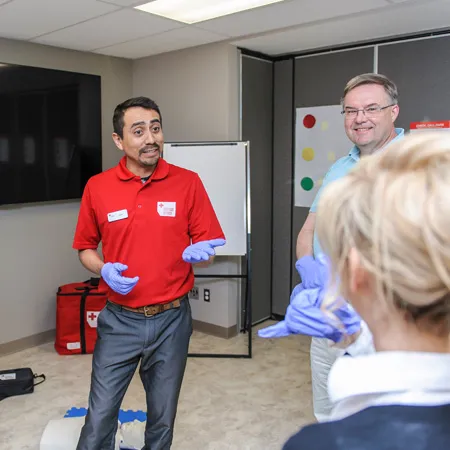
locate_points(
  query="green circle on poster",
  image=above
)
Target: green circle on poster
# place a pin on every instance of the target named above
(307, 184)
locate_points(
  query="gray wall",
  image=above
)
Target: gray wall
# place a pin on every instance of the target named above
(330, 73)
(257, 123)
(309, 81)
(421, 70)
(282, 184)
(36, 255)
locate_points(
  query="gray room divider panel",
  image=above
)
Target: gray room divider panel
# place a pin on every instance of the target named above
(308, 81)
(282, 184)
(421, 70)
(257, 117)
(320, 81)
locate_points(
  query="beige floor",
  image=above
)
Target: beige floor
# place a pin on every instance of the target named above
(225, 404)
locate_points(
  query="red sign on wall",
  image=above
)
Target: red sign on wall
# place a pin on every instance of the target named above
(442, 125)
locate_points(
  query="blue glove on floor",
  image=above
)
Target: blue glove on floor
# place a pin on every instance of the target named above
(304, 314)
(112, 274)
(201, 251)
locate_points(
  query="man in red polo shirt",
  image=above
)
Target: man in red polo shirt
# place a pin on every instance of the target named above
(154, 221)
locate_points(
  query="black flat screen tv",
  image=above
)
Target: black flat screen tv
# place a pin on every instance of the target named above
(50, 133)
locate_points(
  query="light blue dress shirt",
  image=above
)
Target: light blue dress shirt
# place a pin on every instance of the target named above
(340, 168)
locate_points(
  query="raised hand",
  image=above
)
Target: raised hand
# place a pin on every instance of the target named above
(201, 251)
(305, 315)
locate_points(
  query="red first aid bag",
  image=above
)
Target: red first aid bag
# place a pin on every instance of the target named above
(77, 308)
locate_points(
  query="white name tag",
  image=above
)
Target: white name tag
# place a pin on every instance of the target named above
(73, 345)
(117, 215)
(167, 209)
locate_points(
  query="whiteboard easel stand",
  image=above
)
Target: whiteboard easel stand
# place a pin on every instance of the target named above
(247, 325)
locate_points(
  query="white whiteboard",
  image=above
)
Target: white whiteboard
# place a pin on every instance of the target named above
(222, 167)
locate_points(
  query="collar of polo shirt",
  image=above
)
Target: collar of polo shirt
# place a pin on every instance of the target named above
(161, 171)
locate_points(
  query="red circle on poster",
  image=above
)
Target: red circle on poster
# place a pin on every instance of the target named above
(309, 121)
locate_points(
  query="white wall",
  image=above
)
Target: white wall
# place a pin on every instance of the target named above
(35, 252)
(197, 90)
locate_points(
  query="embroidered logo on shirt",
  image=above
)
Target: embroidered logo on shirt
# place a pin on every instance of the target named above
(167, 209)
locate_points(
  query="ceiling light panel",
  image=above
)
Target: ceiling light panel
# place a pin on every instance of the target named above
(194, 11)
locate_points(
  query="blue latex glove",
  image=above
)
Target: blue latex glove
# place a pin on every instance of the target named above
(201, 251)
(112, 274)
(304, 314)
(280, 329)
(313, 272)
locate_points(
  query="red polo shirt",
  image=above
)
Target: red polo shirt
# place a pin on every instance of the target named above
(147, 226)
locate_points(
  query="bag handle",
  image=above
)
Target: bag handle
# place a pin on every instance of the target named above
(91, 284)
(94, 281)
(36, 376)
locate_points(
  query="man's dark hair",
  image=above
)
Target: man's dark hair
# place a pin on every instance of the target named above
(139, 102)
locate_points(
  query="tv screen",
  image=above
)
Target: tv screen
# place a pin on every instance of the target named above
(50, 133)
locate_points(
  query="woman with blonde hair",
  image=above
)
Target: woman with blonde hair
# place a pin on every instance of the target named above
(385, 228)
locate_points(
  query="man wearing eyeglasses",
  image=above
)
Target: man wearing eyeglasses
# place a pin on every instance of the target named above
(370, 108)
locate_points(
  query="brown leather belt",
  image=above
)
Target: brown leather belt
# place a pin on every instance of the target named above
(152, 310)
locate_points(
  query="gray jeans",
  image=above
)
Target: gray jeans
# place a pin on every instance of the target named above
(161, 345)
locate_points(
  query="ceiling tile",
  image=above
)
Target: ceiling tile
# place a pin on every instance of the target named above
(394, 21)
(286, 14)
(25, 19)
(125, 2)
(114, 28)
(160, 43)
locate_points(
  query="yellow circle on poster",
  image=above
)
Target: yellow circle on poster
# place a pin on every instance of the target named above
(319, 182)
(324, 125)
(331, 156)
(308, 154)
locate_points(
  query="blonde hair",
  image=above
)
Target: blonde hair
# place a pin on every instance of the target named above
(373, 78)
(393, 209)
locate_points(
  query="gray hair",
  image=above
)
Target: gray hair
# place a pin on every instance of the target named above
(373, 78)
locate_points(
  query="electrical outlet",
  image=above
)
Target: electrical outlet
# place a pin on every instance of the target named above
(193, 294)
(206, 295)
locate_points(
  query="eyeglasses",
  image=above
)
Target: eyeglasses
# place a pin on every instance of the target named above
(369, 111)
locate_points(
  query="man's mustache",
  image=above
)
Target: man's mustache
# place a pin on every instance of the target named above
(147, 149)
